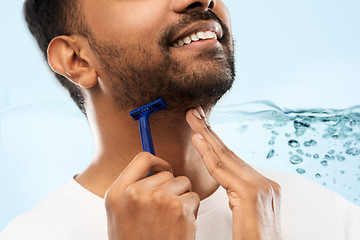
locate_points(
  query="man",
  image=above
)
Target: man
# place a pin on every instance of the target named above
(114, 56)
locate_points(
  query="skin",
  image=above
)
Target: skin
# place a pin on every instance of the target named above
(191, 162)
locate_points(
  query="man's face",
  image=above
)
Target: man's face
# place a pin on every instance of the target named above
(144, 51)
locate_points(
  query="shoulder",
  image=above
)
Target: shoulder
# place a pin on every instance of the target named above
(68, 213)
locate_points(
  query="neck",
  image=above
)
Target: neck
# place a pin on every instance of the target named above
(118, 141)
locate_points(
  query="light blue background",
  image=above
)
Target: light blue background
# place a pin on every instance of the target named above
(299, 54)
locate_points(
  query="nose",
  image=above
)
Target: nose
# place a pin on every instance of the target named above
(181, 6)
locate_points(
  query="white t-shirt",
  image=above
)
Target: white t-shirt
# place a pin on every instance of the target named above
(308, 212)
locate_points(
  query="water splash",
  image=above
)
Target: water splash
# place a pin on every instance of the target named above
(317, 143)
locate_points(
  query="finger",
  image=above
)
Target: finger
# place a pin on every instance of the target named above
(200, 126)
(191, 202)
(224, 148)
(201, 112)
(140, 167)
(177, 186)
(156, 180)
(221, 172)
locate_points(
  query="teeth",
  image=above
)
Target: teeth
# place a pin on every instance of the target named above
(209, 34)
(201, 35)
(195, 37)
(215, 36)
(181, 43)
(187, 40)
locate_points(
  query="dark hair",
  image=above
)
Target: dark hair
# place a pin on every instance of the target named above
(47, 19)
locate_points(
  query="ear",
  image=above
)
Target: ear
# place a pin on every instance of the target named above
(68, 56)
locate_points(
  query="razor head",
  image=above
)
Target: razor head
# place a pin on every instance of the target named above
(150, 107)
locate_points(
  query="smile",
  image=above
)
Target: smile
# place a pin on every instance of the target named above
(195, 37)
(200, 31)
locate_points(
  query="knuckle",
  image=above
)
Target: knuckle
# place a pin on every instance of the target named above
(144, 155)
(167, 175)
(177, 208)
(183, 180)
(159, 196)
(132, 194)
(214, 170)
(216, 163)
(176, 204)
(219, 165)
(195, 197)
(111, 198)
(224, 150)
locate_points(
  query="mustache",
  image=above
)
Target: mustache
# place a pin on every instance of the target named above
(187, 19)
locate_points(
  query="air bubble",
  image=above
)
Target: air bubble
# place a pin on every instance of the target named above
(328, 157)
(353, 151)
(300, 170)
(324, 163)
(332, 121)
(310, 143)
(329, 132)
(300, 125)
(270, 154)
(340, 158)
(293, 143)
(299, 151)
(296, 159)
(335, 137)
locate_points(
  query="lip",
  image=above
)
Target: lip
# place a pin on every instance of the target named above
(201, 27)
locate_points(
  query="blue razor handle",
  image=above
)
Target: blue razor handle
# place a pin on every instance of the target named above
(143, 114)
(146, 139)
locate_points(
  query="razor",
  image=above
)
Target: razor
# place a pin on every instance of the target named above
(143, 114)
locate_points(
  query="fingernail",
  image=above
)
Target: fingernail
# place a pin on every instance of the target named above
(200, 136)
(202, 114)
(196, 113)
(201, 111)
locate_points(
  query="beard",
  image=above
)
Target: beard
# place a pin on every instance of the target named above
(139, 76)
